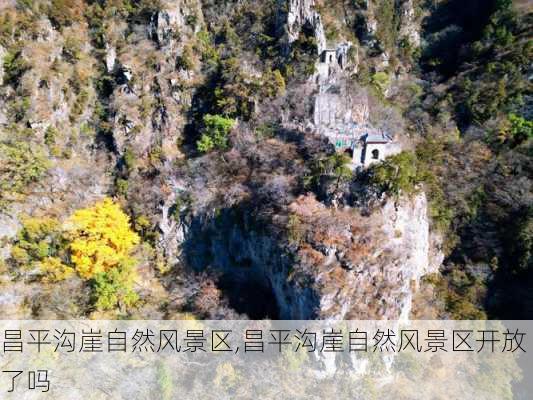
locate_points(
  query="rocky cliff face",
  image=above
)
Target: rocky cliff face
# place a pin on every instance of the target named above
(300, 14)
(409, 22)
(408, 17)
(143, 125)
(339, 106)
(338, 264)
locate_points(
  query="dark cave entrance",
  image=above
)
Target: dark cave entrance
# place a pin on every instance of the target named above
(349, 153)
(252, 297)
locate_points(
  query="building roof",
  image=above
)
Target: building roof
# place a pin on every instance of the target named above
(358, 132)
(377, 138)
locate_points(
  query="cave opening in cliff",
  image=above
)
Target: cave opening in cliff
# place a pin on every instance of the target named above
(251, 296)
(349, 153)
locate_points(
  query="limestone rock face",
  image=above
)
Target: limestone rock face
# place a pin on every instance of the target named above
(172, 232)
(409, 26)
(153, 126)
(3, 118)
(408, 231)
(301, 13)
(370, 24)
(164, 23)
(348, 267)
(174, 17)
(12, 300)
(111, 58)
(380, 262)
(340, 106)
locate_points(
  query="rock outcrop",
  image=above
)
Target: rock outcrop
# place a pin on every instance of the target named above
(409, 23)
(300, 14)
(164, 23)
(340, 106)
(174, 17)
(341, 265)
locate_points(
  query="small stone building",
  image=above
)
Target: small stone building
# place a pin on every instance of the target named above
(363, 144)
(374, 148)
(332, 60)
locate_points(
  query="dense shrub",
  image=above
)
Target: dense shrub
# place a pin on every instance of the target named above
(50, 136)
(515, 130)
(235, 92)
(14, 66)
(295, 229)
(185, 60)
(215, 133)
(114, 287)
(398, 174)
(380, 82)
(21, 165)
(334, 167)
(38, 239)
(302, 58)
(18, 108)
(72, 49)
(462, 293)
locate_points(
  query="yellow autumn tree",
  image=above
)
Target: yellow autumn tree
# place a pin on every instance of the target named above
(95, 242)
(100, 239)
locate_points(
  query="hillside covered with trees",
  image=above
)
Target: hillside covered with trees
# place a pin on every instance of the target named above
(163, 159)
